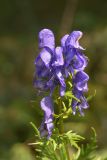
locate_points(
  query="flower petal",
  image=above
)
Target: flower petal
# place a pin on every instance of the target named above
(59, 57)
(51, 85)
(62, 82)
(46, 39)
(69, 56)
(82, 105)
(41, 69)
(47, 123)
(63, 40)
(40, 84)
(80, 81)
(79, 62)
(73, 39)
(77, 94)
(46, 57)
(47, 107)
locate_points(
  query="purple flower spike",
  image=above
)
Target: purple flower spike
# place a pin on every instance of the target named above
(46, 39)
(53, 66)
(73, 40)
(80, 81)
(47, 123)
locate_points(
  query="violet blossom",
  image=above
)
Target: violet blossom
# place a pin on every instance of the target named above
(47, 123)
(53, 65)
(49, 64)
(75, 63)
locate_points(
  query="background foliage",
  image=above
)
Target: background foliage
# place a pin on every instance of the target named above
(20, 21)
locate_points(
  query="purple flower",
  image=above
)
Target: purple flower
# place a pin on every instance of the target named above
(74, 59)
(53, 65)
(81, 103)
(47, 123)
(46, 39)
(62, 82)
(63, 40)
(79, 87)
(49, 64)
(80, 81)
(59, 60)
(75, 63)
(79, 61)
(73, 40)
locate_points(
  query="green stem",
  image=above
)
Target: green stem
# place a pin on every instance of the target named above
(61, 126)
(67, 152)
(60, 122)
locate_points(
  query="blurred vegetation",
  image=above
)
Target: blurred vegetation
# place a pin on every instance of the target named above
(20, 22)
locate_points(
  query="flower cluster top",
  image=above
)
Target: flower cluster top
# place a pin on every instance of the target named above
(53, 65)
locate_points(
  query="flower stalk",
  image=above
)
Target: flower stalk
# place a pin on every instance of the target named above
(61, 125)
(60, 122)
(54, 65)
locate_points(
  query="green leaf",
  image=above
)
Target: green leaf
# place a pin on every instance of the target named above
(35, 129)
(70, 102)
(91, 96)
(36, 143)
(88, 150)
(69, 94)
(54, 143)
(64, 106)
(69, 111)
(62, 151)
(70, 84)
(73, 138)
(70, 75)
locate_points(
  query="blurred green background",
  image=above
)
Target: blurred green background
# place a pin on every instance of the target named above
(20, 22)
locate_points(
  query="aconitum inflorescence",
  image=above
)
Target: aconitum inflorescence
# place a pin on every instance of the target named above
(53, 67)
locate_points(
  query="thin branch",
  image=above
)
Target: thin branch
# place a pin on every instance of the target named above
(68, 17)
